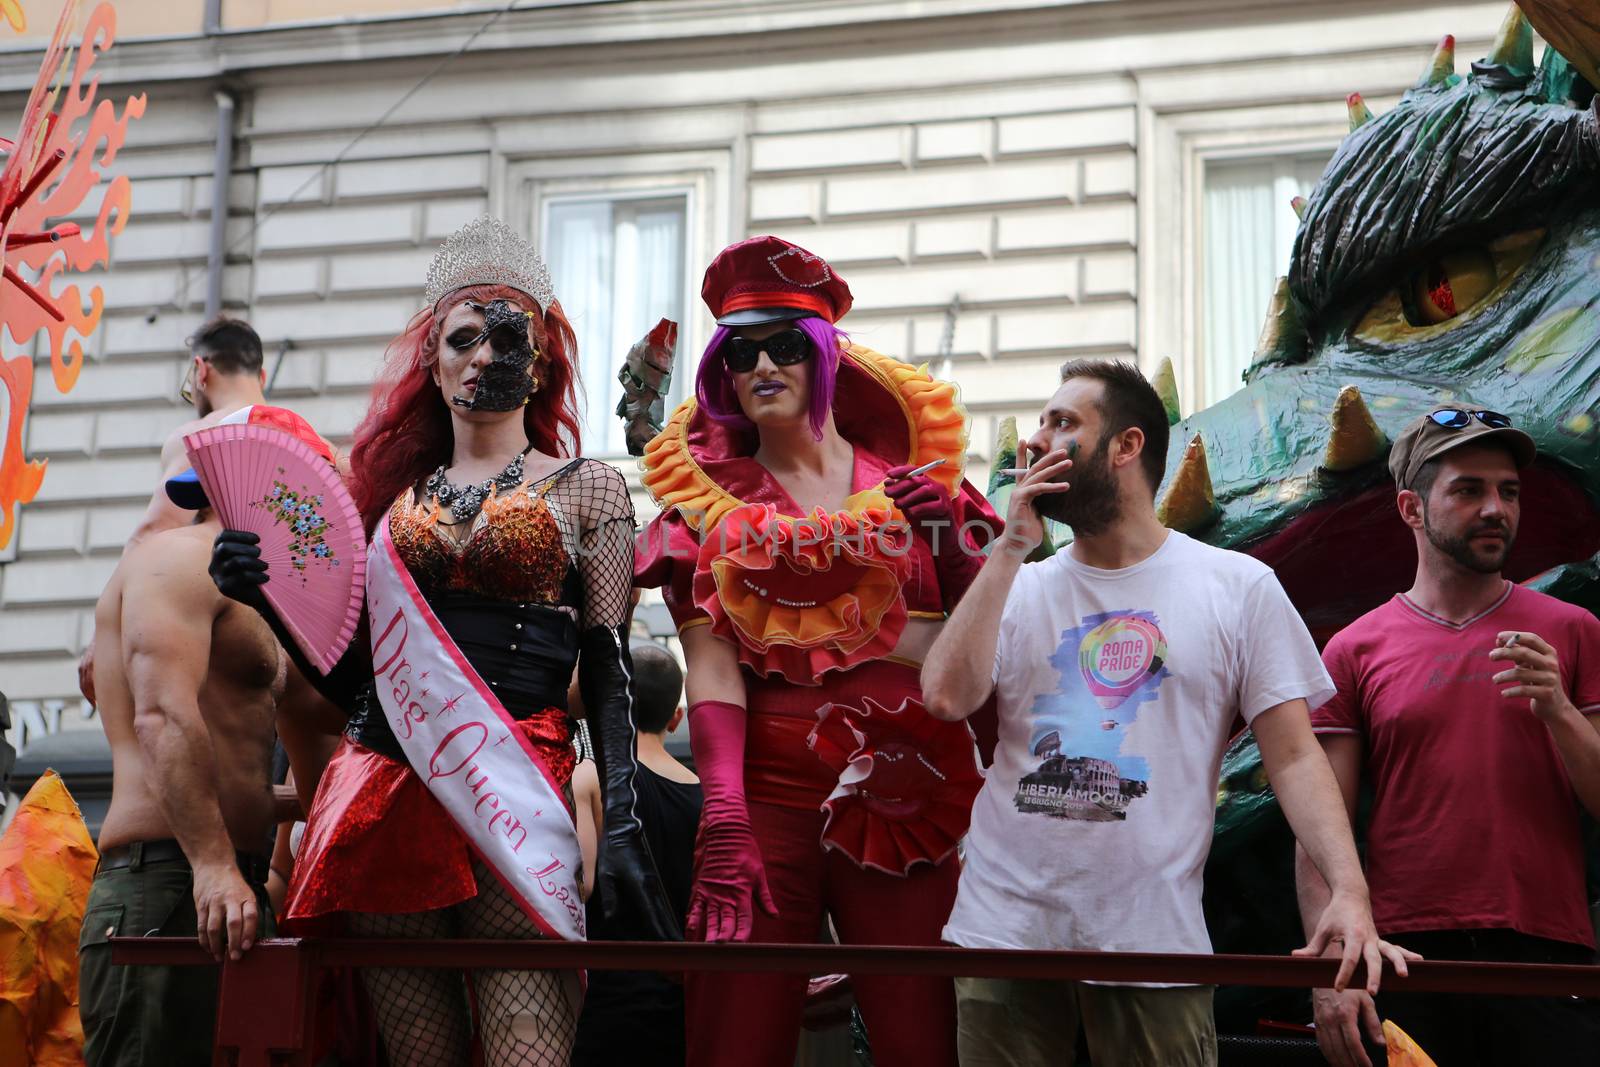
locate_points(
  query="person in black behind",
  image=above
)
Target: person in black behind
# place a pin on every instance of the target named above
(636, 1017)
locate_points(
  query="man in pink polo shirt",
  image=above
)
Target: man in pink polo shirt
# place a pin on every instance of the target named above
(1467, 701)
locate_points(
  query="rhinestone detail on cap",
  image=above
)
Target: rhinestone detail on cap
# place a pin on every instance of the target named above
(486, 251)
(806, 260)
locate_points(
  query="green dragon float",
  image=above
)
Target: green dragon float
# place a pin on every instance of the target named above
(1450, 255)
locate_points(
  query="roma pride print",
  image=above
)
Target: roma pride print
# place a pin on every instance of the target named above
(1109, 665)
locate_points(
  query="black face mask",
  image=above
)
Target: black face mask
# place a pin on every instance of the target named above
(507, 382)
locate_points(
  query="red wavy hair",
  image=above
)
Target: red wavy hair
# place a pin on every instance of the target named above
(406, 433)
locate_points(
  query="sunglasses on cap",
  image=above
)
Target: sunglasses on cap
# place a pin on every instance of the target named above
(784, 349)
(1457, 419)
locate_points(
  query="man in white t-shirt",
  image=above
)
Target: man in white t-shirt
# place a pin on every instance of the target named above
(1120, 664)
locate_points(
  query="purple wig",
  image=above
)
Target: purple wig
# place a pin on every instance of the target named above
(713, 385)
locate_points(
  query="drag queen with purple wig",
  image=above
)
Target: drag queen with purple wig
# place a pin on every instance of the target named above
(815, 529)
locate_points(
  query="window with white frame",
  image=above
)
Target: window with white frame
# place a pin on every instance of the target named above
(618, 263)
(1247, 233)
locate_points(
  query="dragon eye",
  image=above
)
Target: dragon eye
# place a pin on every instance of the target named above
(1438, 295)
(1450, 285)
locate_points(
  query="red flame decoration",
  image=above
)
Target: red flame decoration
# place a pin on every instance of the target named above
(50, 169)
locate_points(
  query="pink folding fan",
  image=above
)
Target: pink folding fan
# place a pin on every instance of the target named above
(273, 476)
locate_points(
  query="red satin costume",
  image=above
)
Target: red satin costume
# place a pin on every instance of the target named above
(815, 628)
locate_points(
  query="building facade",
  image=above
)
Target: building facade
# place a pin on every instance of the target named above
(1005, 184)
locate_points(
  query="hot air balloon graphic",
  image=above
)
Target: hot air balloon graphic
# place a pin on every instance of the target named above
(1118, 657)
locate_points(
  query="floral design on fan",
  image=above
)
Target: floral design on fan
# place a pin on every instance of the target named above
(302, 513)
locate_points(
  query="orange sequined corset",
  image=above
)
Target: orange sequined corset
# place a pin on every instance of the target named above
(513, 551)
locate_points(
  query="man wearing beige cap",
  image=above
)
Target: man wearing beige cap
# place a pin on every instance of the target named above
(1467, 701)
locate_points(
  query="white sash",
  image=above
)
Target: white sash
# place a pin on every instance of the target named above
(468, 749)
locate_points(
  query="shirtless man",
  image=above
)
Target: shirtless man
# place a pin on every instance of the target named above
(187, 681)
(226, 374)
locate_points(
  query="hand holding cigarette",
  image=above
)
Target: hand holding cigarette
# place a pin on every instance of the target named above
(923, 501)
(1017, 473)
(914, 472)
(1533, 671)
(1024, 525)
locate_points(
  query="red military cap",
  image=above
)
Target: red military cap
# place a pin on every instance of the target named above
(767, 279)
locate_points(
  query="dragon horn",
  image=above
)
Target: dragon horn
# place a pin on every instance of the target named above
(1282, 329)
(1299, 205)
(1360, 114)
(1513, 45)
(1442, 65)
(1005, 454)
(1190, 502)
(1166, 387)
(1355, 439)
(1005, 438)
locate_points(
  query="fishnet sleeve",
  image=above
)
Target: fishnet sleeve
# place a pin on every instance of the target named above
(597, 496)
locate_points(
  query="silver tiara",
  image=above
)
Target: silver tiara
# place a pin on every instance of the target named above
(488, 252)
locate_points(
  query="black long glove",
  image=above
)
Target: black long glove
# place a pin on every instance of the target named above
(630, 886)
(237, 569)
(239, 573)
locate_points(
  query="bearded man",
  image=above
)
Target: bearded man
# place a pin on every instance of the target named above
(1119, 665)
(1470, 703)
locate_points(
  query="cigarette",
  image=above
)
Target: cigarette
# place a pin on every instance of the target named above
(924, 469)
(1017, 472)
(1512, 643)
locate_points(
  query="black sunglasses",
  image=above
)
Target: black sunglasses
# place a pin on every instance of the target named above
(1457, 419)
(784, 349)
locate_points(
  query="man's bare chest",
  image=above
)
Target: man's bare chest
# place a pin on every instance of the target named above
(244, 653)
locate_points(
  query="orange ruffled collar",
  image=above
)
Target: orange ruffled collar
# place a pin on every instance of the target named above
(896, 411)
(801, 595)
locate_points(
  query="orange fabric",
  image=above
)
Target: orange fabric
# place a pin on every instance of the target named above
(938, 422)
(667, 550)
(936, 428)
(513, 550)
(1404, 1052)
(674, 477)
(46, 864)
(803, 597)
(792, 606)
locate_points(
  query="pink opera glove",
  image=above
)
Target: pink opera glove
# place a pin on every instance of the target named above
(932, 515)
(728, 870)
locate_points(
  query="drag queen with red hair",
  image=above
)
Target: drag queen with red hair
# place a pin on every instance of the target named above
(809, 563)
(498, 562)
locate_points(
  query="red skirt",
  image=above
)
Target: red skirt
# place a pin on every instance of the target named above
(377, 841)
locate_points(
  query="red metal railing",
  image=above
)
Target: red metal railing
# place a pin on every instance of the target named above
(266, 1011)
